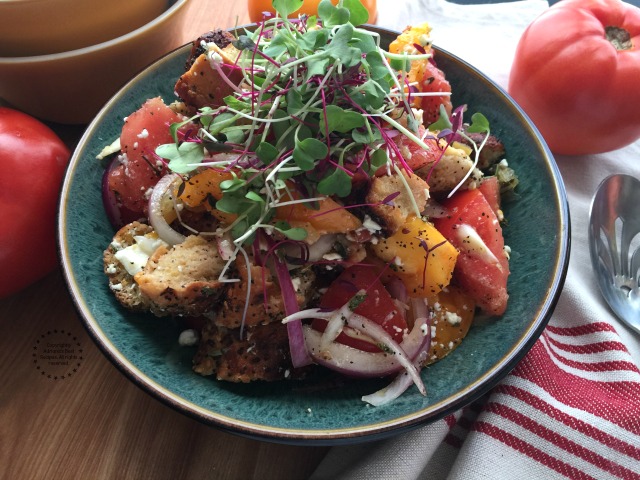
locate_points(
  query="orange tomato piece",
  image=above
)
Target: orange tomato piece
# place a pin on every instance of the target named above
(203, 188)
(330, 217)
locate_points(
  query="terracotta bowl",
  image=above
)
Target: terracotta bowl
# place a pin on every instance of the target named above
(39, 27)
(71, 87)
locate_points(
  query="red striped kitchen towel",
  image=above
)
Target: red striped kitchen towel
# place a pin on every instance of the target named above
(571, 408)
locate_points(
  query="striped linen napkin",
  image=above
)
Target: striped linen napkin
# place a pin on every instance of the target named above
(571, 407)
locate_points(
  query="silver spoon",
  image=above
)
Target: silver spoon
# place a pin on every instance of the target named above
(614, 244)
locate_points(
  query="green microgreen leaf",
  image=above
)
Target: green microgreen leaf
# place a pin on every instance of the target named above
(337, 183)
(312, 22)
(377, 68)
(307, 151)
(282, 130)
(234, 103)
(222, 121)
(371, 95)
(479, 124)
(294, 101)
(312, 40)
(254, 197)
(358, 13)
(183, 158)
(267, 153)
(378, 159)
(206, 116)
(278, 45)
(232, 185)
(174, 127)
(400, 64)
(340, 120)
(286, 7)
(332, 15)
(341, 49)
(318, 67)
(366, 135)
(294, 233)
(442, 123)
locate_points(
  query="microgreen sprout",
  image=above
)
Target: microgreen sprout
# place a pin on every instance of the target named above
(315, 101)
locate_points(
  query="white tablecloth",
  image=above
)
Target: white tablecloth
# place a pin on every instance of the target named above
(571, 408)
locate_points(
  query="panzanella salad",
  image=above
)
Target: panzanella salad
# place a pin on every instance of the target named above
(310, 200)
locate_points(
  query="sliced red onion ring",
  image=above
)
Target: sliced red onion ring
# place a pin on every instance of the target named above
(297, 346)
(157, 220)
(397, 289)
(403, 380)
(109, 199)
(380, 335)
(396, 388)
(337, 321)
(357, 363)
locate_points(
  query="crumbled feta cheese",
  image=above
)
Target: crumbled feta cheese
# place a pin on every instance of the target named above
(453, 318)
(111, 269)
(433, 332)
(143, 134)
(134, 257)
(188, 338)
(116, 287)
(332, 257)
(370, 224)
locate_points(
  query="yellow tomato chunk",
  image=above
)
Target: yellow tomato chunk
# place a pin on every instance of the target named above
(421, 256)
(453, 313)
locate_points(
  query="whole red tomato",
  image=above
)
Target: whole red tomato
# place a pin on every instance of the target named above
(32, 164)
(576, 73)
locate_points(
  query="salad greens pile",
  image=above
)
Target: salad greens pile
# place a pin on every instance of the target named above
(319, 103)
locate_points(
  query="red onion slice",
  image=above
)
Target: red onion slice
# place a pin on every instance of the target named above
(380, 335)
(156, 219)
(403, 380)
(396, 388)
(337, 321)
(109, 199)
(357, 363)
(297, 346)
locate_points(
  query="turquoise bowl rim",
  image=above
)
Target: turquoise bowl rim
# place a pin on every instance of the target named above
(357, 434)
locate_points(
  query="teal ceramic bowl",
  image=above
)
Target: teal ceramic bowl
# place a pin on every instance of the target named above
(146, 348)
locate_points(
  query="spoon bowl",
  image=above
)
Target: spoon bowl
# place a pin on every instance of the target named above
(614, 245)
